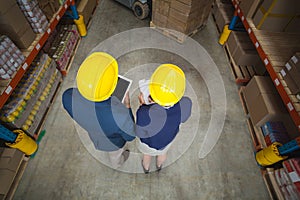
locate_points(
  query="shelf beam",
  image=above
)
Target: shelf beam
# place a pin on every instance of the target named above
(264, 56)
(34, 52)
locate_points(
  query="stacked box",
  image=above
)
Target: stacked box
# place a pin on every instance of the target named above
(63, 45)
(10, 160)
(278, 15)
(14, 24)
(49, 7)
(263, 101)
(275, 132)
(291, 168)
(34, 15)
(86, 8)
(243, 51)
(11, 58)
(291, 73)
(287, 188)
(181, 15)
(223, 13)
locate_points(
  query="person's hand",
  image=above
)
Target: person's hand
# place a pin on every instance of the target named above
(141, 98)
(127, 100)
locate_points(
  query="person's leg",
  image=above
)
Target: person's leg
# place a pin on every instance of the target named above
(117, 158)
(160, 160)
(146, 161)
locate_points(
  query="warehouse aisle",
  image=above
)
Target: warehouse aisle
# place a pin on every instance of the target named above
(66, 166)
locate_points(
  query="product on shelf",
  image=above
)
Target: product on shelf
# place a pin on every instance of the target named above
(14, 24)
(275, 132)
(49, 7)
(23, 99)
(63, 45)
(291, 73)
(34, 15)
(291, 177)
(11, 59)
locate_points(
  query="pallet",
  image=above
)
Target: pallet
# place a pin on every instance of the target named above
(241, 74)
(175, 35)
(255, 132)
(19, 173)
(272, 185)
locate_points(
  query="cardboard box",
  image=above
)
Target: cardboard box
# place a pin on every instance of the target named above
(10, 158)
(289, 81)
(275, 15)
(16, 27)
(49, 7)
(6, 179)
(6, 5)
(223, 16)
(259, 85)
(266, 107)
(249, 7)
(242, 49)
(293, 71)
(263, 102)
(86, 8)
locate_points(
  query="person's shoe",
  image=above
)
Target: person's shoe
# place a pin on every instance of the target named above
(126, 154)
(146, 171)
(158, 168)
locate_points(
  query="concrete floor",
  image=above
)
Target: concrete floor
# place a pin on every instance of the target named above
(68, 167)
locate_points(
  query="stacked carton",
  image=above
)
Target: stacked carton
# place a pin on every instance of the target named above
(49, 7)
(184, 16)
(14, 24)
(291, 73)
(275, 132)
(223, 13)
(34, 15)
(10, 160)
(273, 15)
(243, 51)
(263, 101)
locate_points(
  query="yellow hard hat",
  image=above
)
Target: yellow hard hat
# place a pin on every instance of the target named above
(167, 85)
(97, 76)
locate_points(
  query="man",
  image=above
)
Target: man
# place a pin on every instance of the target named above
(109, 123)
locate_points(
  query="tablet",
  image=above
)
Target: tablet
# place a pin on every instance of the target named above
(122, 87)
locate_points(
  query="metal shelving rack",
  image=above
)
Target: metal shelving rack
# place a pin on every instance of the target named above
(273, 66)
(33, 52)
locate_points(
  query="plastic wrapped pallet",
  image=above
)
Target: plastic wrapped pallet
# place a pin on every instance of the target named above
(181, 15)
(11, 59)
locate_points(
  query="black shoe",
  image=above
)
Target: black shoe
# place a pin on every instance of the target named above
(126, 154)
(146, 171)
(158, 168)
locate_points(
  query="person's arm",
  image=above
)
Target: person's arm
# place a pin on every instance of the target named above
(67, 101)
(186, 108)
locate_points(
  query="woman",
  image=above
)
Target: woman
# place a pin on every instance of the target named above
(158, 122)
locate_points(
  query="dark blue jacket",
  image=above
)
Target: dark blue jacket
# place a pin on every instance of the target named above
(158, 126)
(109, 123)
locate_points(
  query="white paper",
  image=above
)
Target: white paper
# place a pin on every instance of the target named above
(144, 88)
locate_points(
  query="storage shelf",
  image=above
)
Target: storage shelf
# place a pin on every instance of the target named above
(33, 52)
(275, 49)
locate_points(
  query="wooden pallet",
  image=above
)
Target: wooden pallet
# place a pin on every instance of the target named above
(255, 132)
(19, 173)
(242, 74)
(175, 35)
(272, 185)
